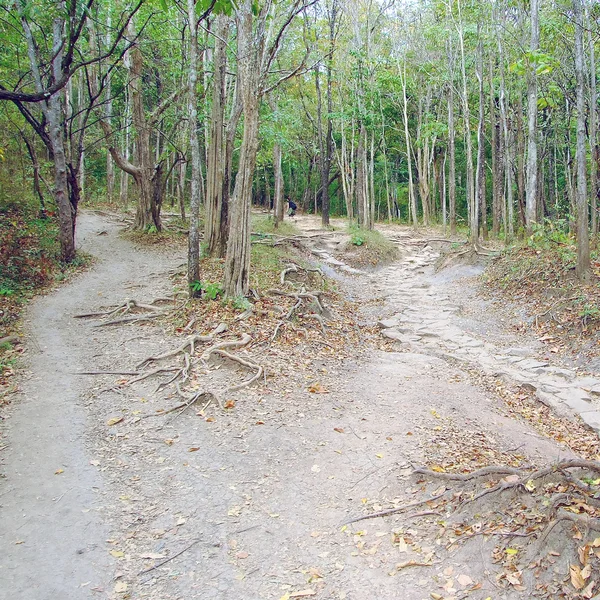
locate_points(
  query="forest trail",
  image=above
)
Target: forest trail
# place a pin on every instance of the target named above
(248, 503)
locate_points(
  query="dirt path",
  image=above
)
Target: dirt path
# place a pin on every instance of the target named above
(246, 503)
(53, 526)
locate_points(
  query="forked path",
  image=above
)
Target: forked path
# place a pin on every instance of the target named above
(246, 503)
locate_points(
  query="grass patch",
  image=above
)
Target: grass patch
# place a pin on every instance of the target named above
(151, 237)
(262, 225)
(370, 247)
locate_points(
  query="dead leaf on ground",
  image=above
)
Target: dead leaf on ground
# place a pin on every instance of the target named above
(317, 388)
(577, 580)
(114, 421)
(303, 594)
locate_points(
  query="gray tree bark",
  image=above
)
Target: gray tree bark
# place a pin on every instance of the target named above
(215, 164)
(532, 146)
(583, 268)
(194, 234)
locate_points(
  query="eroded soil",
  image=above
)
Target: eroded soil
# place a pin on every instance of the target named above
(250, 502)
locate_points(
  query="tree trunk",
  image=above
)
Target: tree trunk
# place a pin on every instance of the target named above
(520, 159)
(278, 191)
(412, 200)
(361, 179)
(452, 161)
(144, 157)
(593, 127)
(532, 146)
(215, 166)
(237, 258)
(497, 162)
(471, 198)
(480, 173)
(194, 234)
(508, 163)
(583, 241)
(53, 112)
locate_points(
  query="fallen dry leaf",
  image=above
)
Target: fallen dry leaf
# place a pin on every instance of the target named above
(577, 579)
(120, 587)
(464, 580)
(229, 404)
(303, 594)
(114, 421)
(338, 429)
(317, 388)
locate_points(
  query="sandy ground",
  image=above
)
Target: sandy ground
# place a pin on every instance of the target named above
(246, 503)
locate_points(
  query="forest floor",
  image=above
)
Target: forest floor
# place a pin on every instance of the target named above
(107, 492)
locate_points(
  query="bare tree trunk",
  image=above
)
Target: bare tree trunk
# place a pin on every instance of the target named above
(532, 149)
(278, 192)
(412, 200)
(53, 112)
(508, 163)
(124, 181)
(583, 236)
(471, 198)
(194, 234)
(215, 165)
(362, 184)
(237, 259)
(452, 157)
(520, 160)
(480, 172)
(371, 204)
(497, 162)
(181, 188)
(444, 194)
(593, 127)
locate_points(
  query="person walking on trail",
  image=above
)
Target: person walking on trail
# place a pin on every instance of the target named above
(291, 208)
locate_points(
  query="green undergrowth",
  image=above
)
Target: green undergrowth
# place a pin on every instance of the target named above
(370, 247)
(29, 263)
(265, 226)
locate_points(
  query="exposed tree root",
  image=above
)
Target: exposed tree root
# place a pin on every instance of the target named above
(551, 508)
(246, 363)
(294, 268)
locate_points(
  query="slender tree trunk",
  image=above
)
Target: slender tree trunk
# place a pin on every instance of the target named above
(371, 205)
(532, 146)
(471, 198)
(181, 188)
(53, 112)
(412, 200)
(215, 165)
(278, 191)
(452, 162)
(124, 180)
(194, 234)
(508, 163)
(497, 161)
(362, 184)
(520, 155)
(480, 173)
(593, 126)
(583, 241)
(327, 158)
